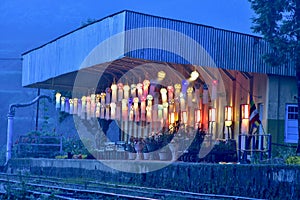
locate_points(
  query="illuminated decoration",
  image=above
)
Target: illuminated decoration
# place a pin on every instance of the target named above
(161, 75)
(212, 115)
(120, 91)
(143, 108)
(184, 86)
(214, 89)
(124, 110)
(133, 90)
(194, 76)
(75, 111)
(79, 109)
(107, 111)
(126, 89)
(177, 90)
(118, 111)
(165, 112)
(146, 84)
(102, 101)
(88, 107)
(149, 100)
(130, 108)
(228, 115)
(184, 117)
(139, 88)
(71, 102)
(93, 105)
(98, 96)
(172, 118)
(197, 118)
(67, 106)
(57, 100)
(245, 111)
(136, 109)
(160, 111)
(98, 106)
(182, 102)
(170, 89)
(107, 95)
(190, 96)
(205, 94)
(63, 102)
(149, 114)
(163, 92)
(114, 88)
(83, 107)
(112, 110)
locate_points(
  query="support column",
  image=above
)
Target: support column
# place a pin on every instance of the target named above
(10, 122)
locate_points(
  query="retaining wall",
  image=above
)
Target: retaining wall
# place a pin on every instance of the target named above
(259, 181)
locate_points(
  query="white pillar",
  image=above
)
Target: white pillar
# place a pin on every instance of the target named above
(10, 121)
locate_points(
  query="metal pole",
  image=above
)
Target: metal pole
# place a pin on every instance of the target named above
(10, 122)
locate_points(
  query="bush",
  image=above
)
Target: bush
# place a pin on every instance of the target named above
(293, 160)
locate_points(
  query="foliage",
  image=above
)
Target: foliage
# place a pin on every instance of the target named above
(292, 160)
(279, 23)
(2, 154)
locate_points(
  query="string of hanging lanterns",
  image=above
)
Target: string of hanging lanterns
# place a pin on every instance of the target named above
(145, 101)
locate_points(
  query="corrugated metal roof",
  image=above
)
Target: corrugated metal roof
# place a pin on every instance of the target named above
(228, 49)
(165, 40)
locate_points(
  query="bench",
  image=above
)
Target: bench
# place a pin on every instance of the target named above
(39, 146)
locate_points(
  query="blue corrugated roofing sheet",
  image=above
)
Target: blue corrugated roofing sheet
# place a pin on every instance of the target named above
(227, 49)
(150, 38)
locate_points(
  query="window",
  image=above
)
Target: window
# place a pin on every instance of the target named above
(291, 124)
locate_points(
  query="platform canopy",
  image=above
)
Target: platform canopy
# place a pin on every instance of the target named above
(109, 48)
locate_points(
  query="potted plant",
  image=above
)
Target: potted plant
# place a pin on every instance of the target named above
(130, 149)
(138, 146)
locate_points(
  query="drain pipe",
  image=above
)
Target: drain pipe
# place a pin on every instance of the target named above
(10, 122)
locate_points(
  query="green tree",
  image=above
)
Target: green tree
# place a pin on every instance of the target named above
(279, 23)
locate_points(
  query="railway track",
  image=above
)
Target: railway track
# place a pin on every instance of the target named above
(57, 188)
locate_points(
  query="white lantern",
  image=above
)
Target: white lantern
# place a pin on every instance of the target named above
(114, 88)
(120, 91)
(126, 89)
(57, 100)
(63, 102)
(163, 92)
(139, 88)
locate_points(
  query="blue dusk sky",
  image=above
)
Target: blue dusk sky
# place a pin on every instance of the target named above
(27, 24)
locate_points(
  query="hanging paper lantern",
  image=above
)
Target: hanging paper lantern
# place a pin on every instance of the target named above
(75, 111)
(124, 110)
(120, 91)
(139, 88)
(182, 102)
(177, 90)
(184, 87)
(107, 95)
(98, 108)
(67, 106)
(71, 102)
(93, 105)
(136, 108)
(163, 92)
(63, 102)
(133, 90)
(57, 100)
(170, 89)
(126, 89)
(165, 111)
(88, 107)
(107, 112)
(146, 84)
(114, 88)
(190, 96)
(143, 108)
(83, 107)
(205, 94)
(112, 111)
